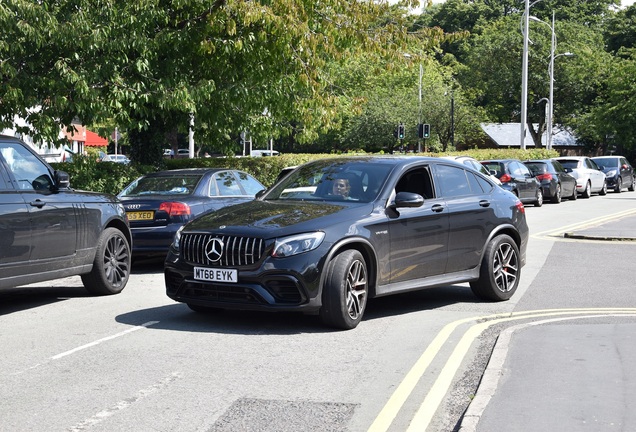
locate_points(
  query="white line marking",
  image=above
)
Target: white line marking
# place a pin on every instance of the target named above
(97, 342)
(123, 404)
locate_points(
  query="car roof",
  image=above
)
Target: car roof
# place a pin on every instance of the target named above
(185, 171)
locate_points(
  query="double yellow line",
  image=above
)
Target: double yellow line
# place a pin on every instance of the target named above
(591, 223)
(436, 394)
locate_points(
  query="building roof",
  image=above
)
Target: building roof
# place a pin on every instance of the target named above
(507, 135)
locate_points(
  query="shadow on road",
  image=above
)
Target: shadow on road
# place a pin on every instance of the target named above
(179, 317)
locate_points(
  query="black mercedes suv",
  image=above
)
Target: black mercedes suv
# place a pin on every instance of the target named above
(50, 231)
(338, 231)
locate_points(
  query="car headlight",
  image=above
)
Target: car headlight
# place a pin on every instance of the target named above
(610, 173)
(297, 244)
(177, 238)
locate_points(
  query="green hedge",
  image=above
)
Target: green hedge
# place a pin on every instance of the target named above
(88, 174)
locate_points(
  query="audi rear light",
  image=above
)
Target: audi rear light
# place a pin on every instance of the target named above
(546, 176)
(505, 178)
(175, 208)
(520, 207)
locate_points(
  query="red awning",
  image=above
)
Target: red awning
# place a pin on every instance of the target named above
(94, 140)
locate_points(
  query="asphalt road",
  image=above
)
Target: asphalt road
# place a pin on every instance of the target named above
(140, 362)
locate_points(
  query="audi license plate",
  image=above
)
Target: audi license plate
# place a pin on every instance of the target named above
(140, 215)
(216, 275)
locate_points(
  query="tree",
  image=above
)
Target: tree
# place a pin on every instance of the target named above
(493, 71)
(138, 64)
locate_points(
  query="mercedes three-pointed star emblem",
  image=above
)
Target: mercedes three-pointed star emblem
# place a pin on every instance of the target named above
(214, 249)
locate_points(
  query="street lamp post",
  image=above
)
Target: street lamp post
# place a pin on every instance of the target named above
(524, 76)
(419, 119)
(550, 110)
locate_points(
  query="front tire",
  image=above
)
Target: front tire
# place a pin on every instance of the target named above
(111, 266)
(603, 190)
(346, 289)
(499, 271)
(619, 185)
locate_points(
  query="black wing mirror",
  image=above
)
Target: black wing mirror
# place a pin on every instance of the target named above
(408, 199)
(62, 180)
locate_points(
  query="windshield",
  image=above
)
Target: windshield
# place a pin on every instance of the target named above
(537, 168)
(162, 185)
(333, 180)
(569, 163)
(607, 162)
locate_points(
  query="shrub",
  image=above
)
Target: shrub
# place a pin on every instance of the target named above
(88, 174)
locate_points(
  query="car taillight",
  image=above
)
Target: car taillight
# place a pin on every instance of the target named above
(520, 207)
(175, 208)
(546, 176)
(505, 178)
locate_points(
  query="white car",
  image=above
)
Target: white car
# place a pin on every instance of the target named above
(119, 158)
(590, 178)
(474, 164)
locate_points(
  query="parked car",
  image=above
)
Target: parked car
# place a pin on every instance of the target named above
(183, 153)
(260, 153)
(475, 164)
(49, 231)
(368, 227)
(589, 176)
(158, 204)
(516, 178)
(118, 158)
(554, 181)
(619, 173)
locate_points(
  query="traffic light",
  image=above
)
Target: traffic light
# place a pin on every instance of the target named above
(424, 130)
(401, 131)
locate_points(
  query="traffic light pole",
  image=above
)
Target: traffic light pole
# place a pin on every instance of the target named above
(419, 121)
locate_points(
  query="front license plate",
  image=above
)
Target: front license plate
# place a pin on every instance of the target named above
(141, 215)
(216, 275)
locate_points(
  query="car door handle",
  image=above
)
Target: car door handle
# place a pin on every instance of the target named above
(437, 208)
(38, 203)
(484, 203)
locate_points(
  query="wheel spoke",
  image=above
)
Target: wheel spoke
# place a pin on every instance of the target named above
(116, 261)
(356, 289)
(505, 267)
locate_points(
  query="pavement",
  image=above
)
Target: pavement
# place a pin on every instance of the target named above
(568, 377)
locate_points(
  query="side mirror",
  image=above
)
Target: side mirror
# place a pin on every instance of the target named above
(408, 199)
(62, 179)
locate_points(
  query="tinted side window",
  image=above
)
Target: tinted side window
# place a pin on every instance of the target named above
(3, 179)
(453, 181)
(249, 183)
(416, 181)
(227, 184)
(477, 184)
(558, 167)
(29, 172)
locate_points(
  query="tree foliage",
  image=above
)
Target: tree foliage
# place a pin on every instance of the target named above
(152, 63)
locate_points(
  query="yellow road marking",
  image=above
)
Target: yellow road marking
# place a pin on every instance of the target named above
(439, 389)
(558, 232)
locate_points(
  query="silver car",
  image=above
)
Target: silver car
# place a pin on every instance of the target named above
(590, 178)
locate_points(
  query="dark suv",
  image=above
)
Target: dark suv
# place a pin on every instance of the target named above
(516, 178)
(50, 231)
(335, 232)
(619, 173)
